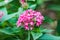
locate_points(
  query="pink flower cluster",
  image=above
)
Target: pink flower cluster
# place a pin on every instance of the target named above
(29, 18)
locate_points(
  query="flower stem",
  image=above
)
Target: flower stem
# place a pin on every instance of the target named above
(29, 35)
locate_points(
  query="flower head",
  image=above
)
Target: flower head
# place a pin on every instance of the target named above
(29, 18)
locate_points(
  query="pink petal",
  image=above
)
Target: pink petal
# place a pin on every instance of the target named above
(18, 24)
(31, 23)
(26, 28)
(26, 23)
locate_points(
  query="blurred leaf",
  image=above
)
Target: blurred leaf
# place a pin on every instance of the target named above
(13, 21)
(6, 31)
(10, 31)
(58, 27)
(47, 31)
(32, 6)
(7, 17)
(40, 1)
(49, 37)
(54, 7)
(3, 36)
(12, 38)
(13, 6)
(36, 35)
(1, 0)
(4, 10)
(4, 3)
(20, 11)
(48, 19)
(28, 38)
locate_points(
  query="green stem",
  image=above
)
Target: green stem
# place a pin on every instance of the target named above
(28, 35)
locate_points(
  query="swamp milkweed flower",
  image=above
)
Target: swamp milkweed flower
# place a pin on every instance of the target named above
(29, 18)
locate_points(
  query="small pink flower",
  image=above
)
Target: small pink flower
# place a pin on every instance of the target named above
(1, 14)
(38, 23)
(42, 17)
(31, 23)
(29, 18)
(26, 23)
(31, 27)
(38, 20)
(26, 28)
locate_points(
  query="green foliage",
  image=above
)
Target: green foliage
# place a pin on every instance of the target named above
(12, 38)
(2, 3)
(10, 31)
(54, 7)
(48, 19)
(40, 1)
(6, 16)
(36, 35)
(49, 37)
(32, 6)
(13, 7)
(12, 10)
(58, 27)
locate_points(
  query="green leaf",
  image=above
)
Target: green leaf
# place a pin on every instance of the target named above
(4, 10)
(58, 27)
(12, 38)
(40, 1)
(4, 3)
(13, 21)
(1, 0)
(43, 30)
(49, 37)
(47, 31)
(5, 15)
(48, 19)
(28, 35)
(36, 35)
(33, 6)
(13, 6)
(8, 17)
(10, 31)
(54, 7)
(20, 11)
(6, 31)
